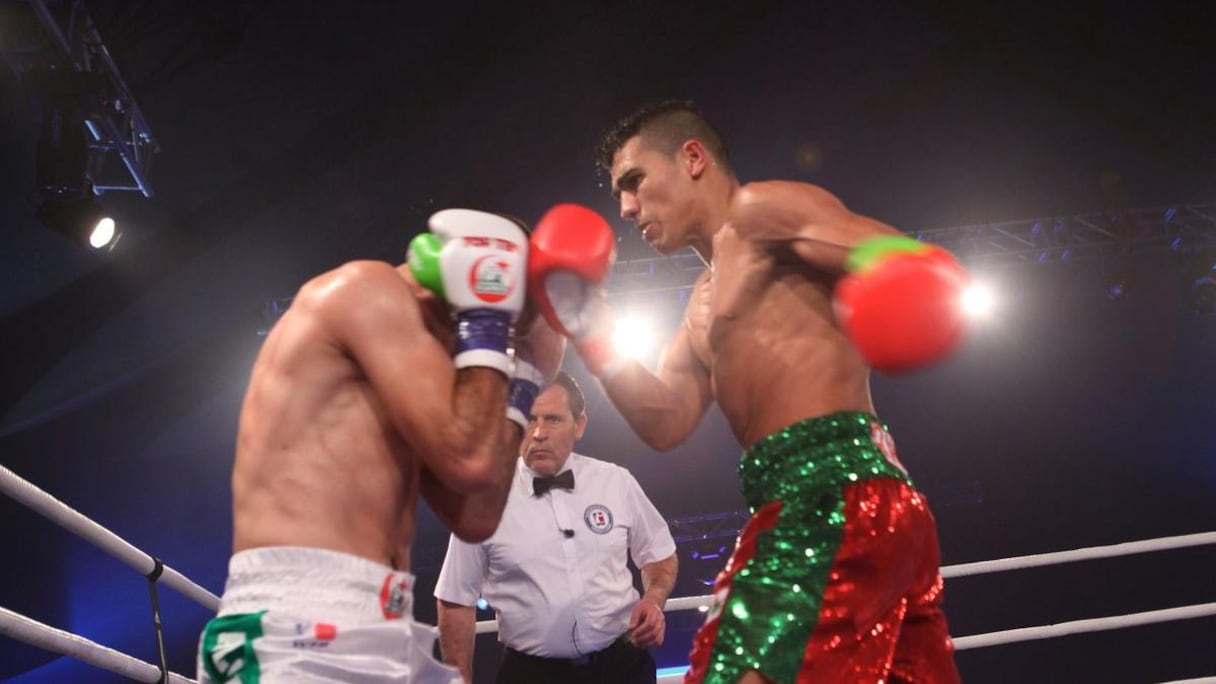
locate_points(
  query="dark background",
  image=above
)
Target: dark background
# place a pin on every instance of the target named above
(297, 136)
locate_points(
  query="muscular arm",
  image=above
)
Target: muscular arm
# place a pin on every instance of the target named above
(663, 408)
(457, 632)
(810, 221)
(451, 419)
(472, 517)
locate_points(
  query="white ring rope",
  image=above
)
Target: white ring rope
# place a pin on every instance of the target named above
(52, 639)
(1010, 636)
(48, 638)
(1089, 553)
(68, 518)
(1019, 562)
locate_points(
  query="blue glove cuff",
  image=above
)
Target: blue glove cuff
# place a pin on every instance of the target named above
(482, 339)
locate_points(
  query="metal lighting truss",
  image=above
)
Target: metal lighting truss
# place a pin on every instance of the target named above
(69, 45)
(1181, 227)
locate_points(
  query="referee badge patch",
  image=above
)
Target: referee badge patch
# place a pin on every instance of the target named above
(598, 518)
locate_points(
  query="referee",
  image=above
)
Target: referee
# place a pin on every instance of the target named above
(555, 570)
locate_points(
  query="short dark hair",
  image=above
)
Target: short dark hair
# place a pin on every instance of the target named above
(574, 393)
(665, 126)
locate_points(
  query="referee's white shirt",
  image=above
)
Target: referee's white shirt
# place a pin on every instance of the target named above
(560, 596)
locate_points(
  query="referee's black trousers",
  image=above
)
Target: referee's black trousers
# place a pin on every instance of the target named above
(619, 663)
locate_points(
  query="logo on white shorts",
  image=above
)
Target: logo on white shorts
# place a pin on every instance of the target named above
(314, 635)
(598, 518)
(392, 597)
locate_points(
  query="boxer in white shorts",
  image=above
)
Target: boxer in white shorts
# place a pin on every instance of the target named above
(379, 385)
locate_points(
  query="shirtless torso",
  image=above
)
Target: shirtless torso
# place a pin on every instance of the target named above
(353, 410)
(764, 327)
(762, 323)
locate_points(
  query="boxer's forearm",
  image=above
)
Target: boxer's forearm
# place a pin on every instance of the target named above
(663, 407)
(473, 517)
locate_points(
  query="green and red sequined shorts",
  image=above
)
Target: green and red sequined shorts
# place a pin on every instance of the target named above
(835, 577)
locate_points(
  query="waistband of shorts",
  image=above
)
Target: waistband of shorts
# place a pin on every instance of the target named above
(816, 431)
(812, 432)
(275, 558)
(306, 581)
(829, 449)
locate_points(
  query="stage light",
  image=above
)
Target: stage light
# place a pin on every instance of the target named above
(1116, 277)
(1203, 293)
(66, 202)
(978, 301)
(102, 233)
(83, 221)
(633, 336)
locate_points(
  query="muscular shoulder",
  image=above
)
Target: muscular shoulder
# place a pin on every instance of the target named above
(357, 297)
(335, 291)
(351, 276)
(766, 206)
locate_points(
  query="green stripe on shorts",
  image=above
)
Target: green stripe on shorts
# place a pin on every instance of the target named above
(227, 648)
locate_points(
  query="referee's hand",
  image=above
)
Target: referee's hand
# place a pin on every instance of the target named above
(647, 625)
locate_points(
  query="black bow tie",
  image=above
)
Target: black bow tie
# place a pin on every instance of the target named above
(565, 480)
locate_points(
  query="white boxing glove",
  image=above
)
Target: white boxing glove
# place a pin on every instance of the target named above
(477, 261)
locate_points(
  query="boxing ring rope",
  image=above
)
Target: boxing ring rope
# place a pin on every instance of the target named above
(1088, 553)
(1010, 636)
(49, 638)
(46, 637)
(63, 515)
(1030, 561)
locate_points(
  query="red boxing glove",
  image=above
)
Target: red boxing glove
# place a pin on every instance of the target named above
(570, 253)
(901, 303)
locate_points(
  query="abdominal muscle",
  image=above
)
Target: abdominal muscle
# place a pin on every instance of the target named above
(772, 343)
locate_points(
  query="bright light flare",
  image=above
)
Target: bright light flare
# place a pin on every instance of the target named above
(978, 301)
(102, 233)
(633, 336)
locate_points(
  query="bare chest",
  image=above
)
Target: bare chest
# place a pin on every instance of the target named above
(750, 294)
(727, 293)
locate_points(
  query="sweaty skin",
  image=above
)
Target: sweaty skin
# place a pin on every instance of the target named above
(766, 329)
(760, 335)
(353, 409)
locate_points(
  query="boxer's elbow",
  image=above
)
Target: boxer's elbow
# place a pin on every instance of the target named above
(661, 437)
(473, 473)
(663, 444)
(479, 517)
(478, 530)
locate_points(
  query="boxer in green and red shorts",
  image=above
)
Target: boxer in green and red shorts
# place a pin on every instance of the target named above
(835, 577)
